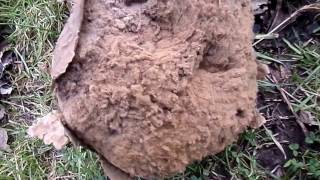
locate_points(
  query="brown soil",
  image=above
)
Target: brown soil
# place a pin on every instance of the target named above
(158, 84)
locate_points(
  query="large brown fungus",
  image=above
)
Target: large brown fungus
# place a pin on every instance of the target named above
(157, 84)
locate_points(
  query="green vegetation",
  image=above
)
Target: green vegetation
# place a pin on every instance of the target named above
(34, 26)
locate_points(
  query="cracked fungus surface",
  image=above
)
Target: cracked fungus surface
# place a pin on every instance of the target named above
(158, 84)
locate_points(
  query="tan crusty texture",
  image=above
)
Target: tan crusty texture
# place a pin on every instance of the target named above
(158, 84)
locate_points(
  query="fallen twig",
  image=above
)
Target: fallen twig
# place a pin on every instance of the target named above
(266, 36)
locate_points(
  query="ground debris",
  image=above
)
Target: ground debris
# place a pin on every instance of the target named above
(288, 115)
(6, 59)
(4, 140)
(68, 40)
(50, 130)
(3, 115)
(259, 6)
(307, 118)
(280, 20)
(2, 112)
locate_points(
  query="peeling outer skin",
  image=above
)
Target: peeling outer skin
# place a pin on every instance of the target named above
(50, 129)
(66, 45)
(155, 86)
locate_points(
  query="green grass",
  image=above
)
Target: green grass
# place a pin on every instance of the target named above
(35, 26)
(305, 98)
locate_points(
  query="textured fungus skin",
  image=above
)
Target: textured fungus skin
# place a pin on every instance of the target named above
(157, 85)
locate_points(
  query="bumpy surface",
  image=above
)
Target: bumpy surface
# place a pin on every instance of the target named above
(158, 84)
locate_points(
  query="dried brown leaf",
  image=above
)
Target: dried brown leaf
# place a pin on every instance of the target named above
(50, 130)
(260, 120)
(68, 40)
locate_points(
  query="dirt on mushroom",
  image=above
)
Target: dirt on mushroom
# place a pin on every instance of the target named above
(155, 85)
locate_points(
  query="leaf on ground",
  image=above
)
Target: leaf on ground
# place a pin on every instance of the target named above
(6, 90)
(307, 118)
(66, 45)
(4, 140)
(50, 130)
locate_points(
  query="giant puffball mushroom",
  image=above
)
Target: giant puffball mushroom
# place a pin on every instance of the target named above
(152, 86)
